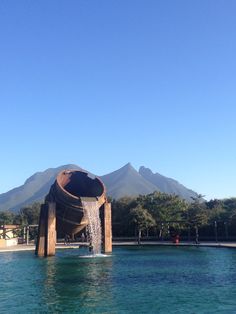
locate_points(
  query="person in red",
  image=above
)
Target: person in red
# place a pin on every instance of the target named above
(176, 239)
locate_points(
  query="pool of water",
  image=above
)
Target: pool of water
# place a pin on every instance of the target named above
(131, 280)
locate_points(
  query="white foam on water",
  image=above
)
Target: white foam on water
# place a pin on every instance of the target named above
(94, 226)
(94, 256)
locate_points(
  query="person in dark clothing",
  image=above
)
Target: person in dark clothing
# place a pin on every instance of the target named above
(67, 239)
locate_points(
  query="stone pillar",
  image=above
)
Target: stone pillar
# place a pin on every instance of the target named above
(46, 242)
(51, 230)
(40, 245)
(107, 228)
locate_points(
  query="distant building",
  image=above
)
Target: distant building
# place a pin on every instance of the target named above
(8, 235)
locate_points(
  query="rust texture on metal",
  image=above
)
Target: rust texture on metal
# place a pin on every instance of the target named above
(68, 192)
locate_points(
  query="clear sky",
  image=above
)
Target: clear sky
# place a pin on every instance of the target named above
(103, 83)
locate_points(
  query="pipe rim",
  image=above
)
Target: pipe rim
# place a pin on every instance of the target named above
(60, 174)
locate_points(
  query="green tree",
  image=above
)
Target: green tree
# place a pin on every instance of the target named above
(197, 214)
(30, 215)
(142, 219)
(121, 225)
(230, 214)
(167, 210)
(6, 218)
(229, 205)
(215, 211)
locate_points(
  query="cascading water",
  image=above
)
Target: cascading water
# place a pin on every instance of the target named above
(94, 225)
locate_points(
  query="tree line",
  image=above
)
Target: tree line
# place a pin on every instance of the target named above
(162, 216)
(157, 215)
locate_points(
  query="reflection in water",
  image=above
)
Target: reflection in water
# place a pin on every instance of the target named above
(7, 258)
(72, 282)
(96, 289)
(50, 296)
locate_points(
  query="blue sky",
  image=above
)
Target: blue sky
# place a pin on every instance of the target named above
(103, 83)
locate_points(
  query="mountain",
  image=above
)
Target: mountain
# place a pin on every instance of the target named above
(125, 181)
(167, 185)
(34, 189)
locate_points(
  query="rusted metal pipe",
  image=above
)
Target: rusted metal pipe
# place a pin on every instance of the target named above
(68, 191)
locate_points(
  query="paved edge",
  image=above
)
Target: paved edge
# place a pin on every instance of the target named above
(22, 248)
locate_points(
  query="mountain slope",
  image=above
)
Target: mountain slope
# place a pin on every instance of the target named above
(126, 181)
(34, 189)
(167, 185)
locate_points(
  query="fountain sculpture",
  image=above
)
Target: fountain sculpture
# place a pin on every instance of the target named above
(75, 200)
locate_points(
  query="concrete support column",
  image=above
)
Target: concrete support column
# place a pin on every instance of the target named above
(51, 230)
(40, 245)
(107, 228)
(46, 243)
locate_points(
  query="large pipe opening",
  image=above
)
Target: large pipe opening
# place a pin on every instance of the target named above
(79, 184)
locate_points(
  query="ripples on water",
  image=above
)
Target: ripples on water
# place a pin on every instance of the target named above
(131, 280)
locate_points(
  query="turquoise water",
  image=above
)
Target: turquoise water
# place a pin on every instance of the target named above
(132, 280)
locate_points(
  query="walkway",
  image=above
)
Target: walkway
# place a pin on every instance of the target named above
(167, 243)
(31, 247)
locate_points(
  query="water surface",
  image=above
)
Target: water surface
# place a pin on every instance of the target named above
(131, 280)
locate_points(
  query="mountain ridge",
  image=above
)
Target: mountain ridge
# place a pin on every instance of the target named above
(127, 177)
(167, 185)
(125, 181)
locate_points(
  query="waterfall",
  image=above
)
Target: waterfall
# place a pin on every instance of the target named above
(94, 225)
